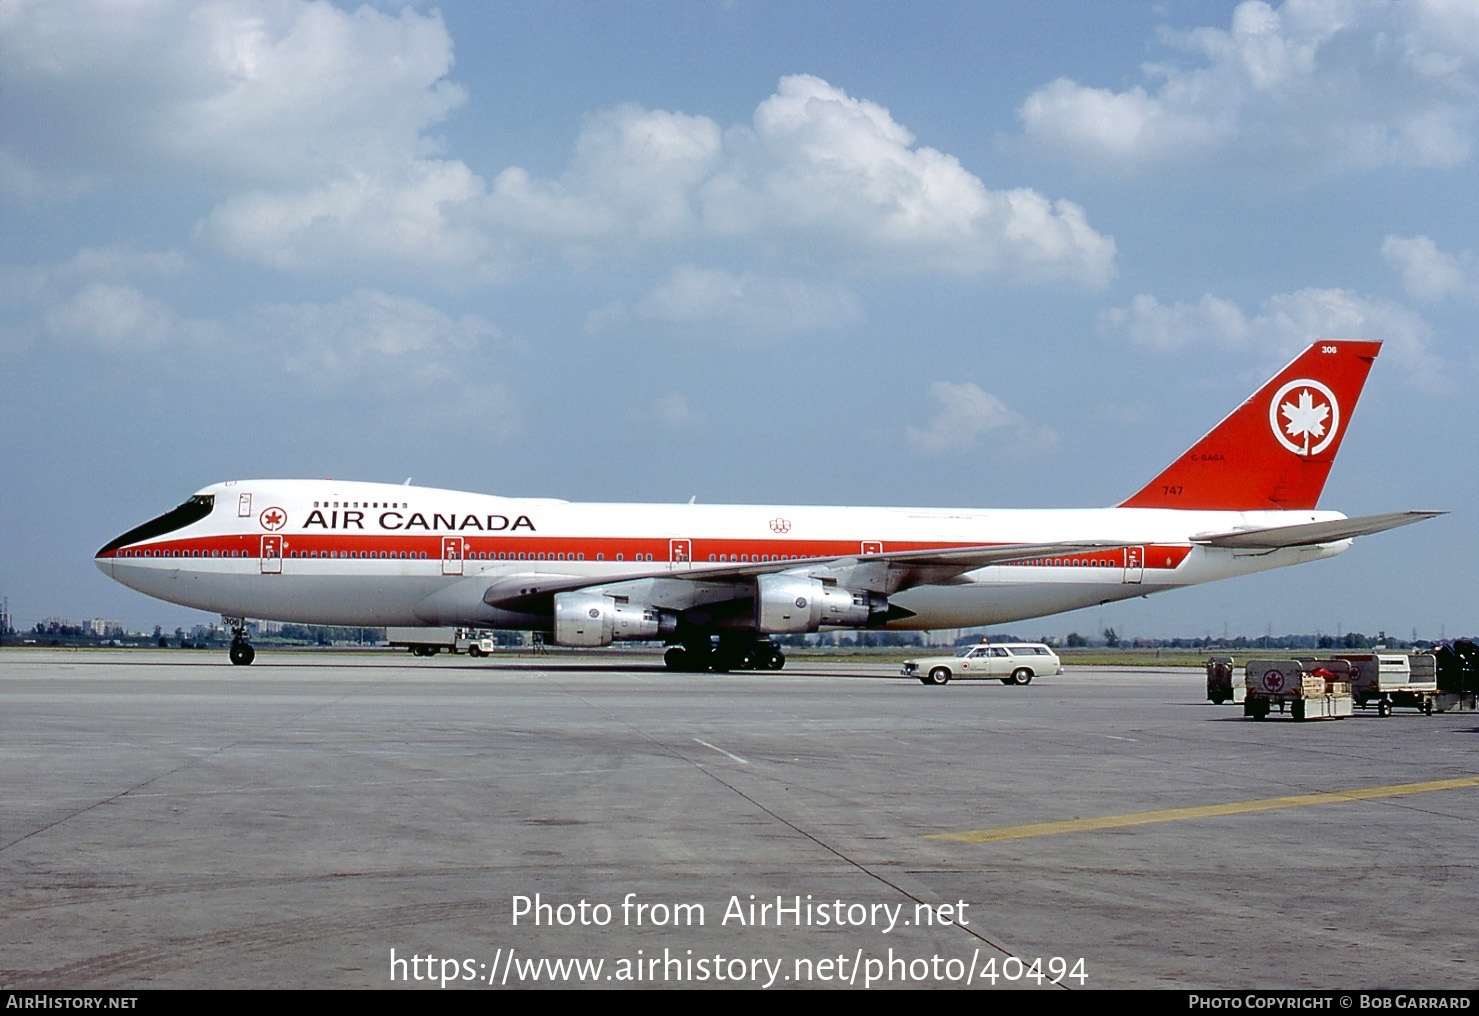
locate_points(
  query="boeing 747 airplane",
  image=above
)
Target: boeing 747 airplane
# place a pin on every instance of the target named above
(716, 581)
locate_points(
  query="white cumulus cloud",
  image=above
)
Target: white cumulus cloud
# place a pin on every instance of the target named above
(1428, 273)
(962, 413)
(99, 297)
(1284, 324)
(633, 176)
(747, 306)
(1317, 86)
(416, 218)
(114, 316)
(281, 91)
(308, 134)
(839, 172)
(370, 331)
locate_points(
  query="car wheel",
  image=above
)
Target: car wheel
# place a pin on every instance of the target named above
(1022, 676)
(940, 675)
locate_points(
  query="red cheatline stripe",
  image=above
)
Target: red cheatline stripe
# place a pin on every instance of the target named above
(727, 551)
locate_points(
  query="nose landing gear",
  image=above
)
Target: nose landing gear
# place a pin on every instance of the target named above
(241, 653)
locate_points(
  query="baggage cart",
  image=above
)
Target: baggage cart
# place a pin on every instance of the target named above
(1310, 689)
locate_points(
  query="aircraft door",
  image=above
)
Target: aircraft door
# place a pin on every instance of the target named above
(1134, 564)
(680, 555)
(872, 547)
(271, 555)
(451, 555)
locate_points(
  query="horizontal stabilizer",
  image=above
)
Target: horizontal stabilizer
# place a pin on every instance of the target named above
(1310, 533)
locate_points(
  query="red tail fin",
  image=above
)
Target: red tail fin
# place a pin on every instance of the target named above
(1275, 450)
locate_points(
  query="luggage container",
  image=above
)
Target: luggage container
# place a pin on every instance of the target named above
(1385, 680)
(1458, 676)
(1456, 702)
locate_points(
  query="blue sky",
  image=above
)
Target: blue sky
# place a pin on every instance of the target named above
(987, 254)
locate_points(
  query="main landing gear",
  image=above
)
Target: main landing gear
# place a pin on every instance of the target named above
(734, 652)
(242, 654)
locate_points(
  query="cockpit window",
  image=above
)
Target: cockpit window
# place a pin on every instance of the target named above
(193, 510)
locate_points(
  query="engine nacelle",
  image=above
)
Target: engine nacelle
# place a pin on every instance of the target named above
(591, 619)
(793, 604)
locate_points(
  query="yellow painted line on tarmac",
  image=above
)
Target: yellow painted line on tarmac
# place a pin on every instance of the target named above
(1079, 825)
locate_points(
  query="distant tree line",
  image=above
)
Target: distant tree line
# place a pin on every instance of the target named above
(214, 636)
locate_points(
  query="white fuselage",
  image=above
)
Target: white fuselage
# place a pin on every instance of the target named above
(329, 552)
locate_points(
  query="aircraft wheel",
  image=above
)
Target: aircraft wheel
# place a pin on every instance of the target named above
(676, 658)
(242, 654)
(939, 676)
(776, 660)
(1022, 676)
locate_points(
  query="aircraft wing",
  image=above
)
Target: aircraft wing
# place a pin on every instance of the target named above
(884, 573)
(1310, 533)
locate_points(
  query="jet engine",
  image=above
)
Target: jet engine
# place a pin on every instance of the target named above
(591, 619)
(792, 604)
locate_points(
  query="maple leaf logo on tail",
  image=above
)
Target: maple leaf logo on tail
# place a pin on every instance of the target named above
(1306, 419)
(1306, 422)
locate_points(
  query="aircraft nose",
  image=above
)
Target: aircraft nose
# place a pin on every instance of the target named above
(107, 554)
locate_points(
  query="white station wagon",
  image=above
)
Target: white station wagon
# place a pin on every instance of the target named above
(1008, 662)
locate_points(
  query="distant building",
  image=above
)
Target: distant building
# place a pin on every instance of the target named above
(104, 628)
